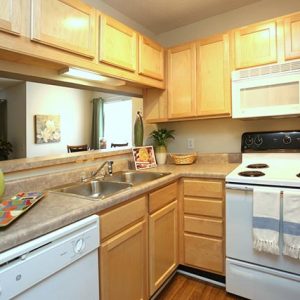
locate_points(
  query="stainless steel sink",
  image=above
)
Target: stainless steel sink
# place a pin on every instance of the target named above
(96, 189)
(135, 177)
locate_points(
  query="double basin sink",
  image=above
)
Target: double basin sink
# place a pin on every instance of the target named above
(109, 185)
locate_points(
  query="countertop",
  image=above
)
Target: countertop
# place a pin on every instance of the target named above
(56, 210)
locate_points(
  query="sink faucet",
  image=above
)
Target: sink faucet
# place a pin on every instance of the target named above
(109, 168)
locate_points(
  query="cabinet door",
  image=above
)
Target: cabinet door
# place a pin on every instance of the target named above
(162, 245)
(213, 76)
(151, 58)
(182, 81)
(118, 44)
(255, 45)
(64, 24)
(10, 16)
(123, 265)
(292, 37)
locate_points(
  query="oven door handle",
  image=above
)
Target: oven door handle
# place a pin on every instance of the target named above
(230, 186)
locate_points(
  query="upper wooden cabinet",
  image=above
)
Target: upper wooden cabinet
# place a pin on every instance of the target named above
(182, 81)
(64, 24)
(10, 16)
(255, 45)
(151, 58)
(292, 37)
(118, 44)
(213, 76)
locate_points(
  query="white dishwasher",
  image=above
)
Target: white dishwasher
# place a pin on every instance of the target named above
(61, 265)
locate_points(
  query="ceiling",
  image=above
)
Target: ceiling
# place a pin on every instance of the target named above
(161, 16)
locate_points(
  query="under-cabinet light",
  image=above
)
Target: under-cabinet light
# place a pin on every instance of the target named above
(89, 75)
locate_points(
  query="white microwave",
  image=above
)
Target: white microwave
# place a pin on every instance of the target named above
(272, 90)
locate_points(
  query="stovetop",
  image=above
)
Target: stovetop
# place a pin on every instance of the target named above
(269, 158)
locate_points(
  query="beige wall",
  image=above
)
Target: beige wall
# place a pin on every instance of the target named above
(221, 135)
(74, 108)
(259, 11)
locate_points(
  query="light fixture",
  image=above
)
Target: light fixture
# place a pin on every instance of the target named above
(89, 75)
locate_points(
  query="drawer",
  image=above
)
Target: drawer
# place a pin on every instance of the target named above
(203, 252)
(203, 188)
(203, 226)
(203, 207)
(114, 220)
(162, 197)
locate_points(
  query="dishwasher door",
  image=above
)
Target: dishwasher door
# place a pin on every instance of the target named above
(60, 265)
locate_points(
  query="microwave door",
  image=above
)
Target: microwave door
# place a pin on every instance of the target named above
(266, 96)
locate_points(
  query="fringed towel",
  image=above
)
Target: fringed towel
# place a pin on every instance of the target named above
(265, 222)
(291, 224)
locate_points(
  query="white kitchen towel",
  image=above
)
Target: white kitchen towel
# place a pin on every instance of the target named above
(265, 220)
(291, 224)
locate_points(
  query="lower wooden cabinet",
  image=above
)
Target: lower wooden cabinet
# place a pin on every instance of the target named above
(162, 245)
(123, 264)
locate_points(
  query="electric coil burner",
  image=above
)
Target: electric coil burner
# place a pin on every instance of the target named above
(257, 166)
(251, 174)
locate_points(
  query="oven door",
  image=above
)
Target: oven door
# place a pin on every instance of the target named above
(239, 232)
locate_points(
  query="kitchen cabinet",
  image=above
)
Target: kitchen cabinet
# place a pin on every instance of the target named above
(292, 36)
(10, 16)
(151, 58)
(118, 44)
(213, 76)
(255, 45)
(163, 235)
(182, 81)
(123, 252)
(203, 224)
(65, 24)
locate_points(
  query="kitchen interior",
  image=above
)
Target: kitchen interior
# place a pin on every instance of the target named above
(223, 78)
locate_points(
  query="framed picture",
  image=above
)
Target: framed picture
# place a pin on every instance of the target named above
(144, 157)
(47, 129)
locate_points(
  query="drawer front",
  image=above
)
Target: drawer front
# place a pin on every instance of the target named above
(204, 207)
(203, 226)
(203, 252)
(203, 188)
(122, 216)
(162, 197)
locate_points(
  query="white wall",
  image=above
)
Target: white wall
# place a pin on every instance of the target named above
(16, 118)
(221, 135)
(75, 111)
(259, 11)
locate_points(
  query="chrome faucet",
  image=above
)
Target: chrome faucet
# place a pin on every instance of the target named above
(109, 168)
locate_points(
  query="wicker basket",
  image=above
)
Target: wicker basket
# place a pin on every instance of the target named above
(183, 159)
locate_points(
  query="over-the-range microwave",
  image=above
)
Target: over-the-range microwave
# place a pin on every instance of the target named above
(271, 90)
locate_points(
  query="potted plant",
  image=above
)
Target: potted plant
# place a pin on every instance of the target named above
(160, 138)
(5, 149)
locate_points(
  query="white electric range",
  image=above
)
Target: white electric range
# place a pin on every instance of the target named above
(270, 160)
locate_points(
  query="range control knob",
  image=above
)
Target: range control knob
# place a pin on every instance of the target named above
(287, 140)
(258, 140)
(248, 140)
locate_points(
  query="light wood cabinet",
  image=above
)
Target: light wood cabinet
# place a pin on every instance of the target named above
(118, 44)
(203, 224)
(292, 36)
(10, 16)
(123, 265)
(255, 45)
(162, 245)
(213, 76)
(182, 81)
(151, 58)
(64, 24)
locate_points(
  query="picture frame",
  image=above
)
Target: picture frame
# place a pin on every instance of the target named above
(144, 157)
(47, 129)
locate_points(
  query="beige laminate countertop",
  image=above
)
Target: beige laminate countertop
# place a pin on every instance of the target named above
(56, 210)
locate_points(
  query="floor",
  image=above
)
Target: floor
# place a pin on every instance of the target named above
(186, 288)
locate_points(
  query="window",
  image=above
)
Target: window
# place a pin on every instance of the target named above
(118, 122)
